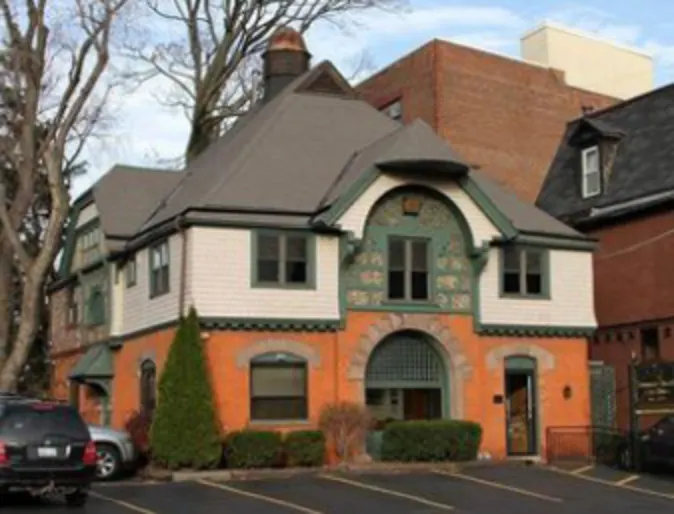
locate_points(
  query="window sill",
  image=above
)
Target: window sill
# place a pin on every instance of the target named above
(421, 304)
(290, 287)
(515, 296)
(157, 295)
(270, 422)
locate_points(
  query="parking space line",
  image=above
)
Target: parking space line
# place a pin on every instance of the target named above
(261, 497)
(628, 480)
(390, 492)
(121, 503)
(583, 469)
(498, 485)
(614, 484)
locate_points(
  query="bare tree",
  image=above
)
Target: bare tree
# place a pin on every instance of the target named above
(207, 50)
(49, 119)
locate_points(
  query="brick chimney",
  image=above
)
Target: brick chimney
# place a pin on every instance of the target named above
(285, 59)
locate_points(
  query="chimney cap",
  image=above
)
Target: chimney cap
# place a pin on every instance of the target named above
(286, 38)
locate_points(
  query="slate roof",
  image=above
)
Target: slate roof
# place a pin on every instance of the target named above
(643, 164)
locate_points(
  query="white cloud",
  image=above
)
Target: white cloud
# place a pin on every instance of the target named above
(491, 41)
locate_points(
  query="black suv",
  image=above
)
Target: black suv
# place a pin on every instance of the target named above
(45, 446)
(656, 446)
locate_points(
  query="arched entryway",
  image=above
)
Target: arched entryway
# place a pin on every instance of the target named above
(406, 378)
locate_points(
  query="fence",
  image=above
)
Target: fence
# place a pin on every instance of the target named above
(593, 444)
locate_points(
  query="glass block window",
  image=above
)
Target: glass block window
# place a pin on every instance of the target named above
(405, 359)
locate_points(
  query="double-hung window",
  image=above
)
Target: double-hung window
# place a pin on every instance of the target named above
(159, 269)
(408, 269)
(283, 260)
(278, 388)
(591, 178)
(524, 272)
(130, 272)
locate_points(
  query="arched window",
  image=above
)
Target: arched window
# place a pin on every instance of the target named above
(278, 387)
(148, 386)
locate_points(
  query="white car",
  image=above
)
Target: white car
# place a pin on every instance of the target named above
(116, 452)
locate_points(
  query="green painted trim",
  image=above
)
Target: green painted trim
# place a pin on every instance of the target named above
(473, 190)
(520, 362)
(71, 240)
(270, 324)
(419, 308)
(152, 285)
(532, 330)
(311, 244)
(335, 211)
(551, 242)
(545, 274)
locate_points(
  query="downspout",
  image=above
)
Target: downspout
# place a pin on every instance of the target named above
(180, 226)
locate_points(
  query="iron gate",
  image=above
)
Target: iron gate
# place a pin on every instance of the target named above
(602, 395)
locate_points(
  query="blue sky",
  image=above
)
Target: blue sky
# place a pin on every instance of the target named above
(145, 133)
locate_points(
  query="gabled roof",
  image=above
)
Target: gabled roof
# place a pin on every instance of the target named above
(304, 152)
(596, 127)
(641, 165)
(126, 196)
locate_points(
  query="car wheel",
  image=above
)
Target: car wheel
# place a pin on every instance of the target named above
(108, 462)
(78, 498)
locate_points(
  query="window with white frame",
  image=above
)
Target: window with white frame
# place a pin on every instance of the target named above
(394, 110)
(591, 181)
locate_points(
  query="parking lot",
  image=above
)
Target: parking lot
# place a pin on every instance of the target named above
(479, 490)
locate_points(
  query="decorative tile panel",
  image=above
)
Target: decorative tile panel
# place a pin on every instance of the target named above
(450, 274)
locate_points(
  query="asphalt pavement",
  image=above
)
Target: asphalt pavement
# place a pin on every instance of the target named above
(507, 489)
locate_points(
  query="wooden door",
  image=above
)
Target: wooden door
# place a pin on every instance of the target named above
(518, 414)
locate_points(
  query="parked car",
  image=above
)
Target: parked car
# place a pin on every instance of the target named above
(115, 450)
(655, 446)
(45, 447)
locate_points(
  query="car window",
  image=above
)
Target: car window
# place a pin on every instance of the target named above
(31, 421)
(666, 425)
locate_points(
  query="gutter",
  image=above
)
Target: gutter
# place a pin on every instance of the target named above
(181, 229)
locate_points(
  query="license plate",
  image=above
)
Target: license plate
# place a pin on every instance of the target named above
(47, 453)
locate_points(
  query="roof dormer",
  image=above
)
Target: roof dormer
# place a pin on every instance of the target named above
(596, 142)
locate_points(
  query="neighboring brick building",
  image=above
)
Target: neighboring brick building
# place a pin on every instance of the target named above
(612, 179)
(504, 115)
(335, 254)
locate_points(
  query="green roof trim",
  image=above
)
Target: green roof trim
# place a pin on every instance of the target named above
(96, 363)
(533, 330)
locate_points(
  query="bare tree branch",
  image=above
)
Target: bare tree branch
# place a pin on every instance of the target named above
(204, 47)
(46, 123)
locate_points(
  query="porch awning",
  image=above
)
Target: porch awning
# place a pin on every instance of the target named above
(96, 363)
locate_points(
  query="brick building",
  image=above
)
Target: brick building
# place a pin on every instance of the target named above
(502, 115)
(332, 253)
(612, 179)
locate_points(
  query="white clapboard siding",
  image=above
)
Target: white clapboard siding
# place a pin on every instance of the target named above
(355, 217)
(571, 287)
(87, 214)
(220, 279)
(141, 311)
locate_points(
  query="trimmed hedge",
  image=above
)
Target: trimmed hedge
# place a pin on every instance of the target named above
(305, 448)
(248, 449)
(431, 441)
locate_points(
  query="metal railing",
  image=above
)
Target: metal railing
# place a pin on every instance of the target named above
(590, 444)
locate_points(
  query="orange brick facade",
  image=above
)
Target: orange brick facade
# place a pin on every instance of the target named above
(477, 359)
(502, 115)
